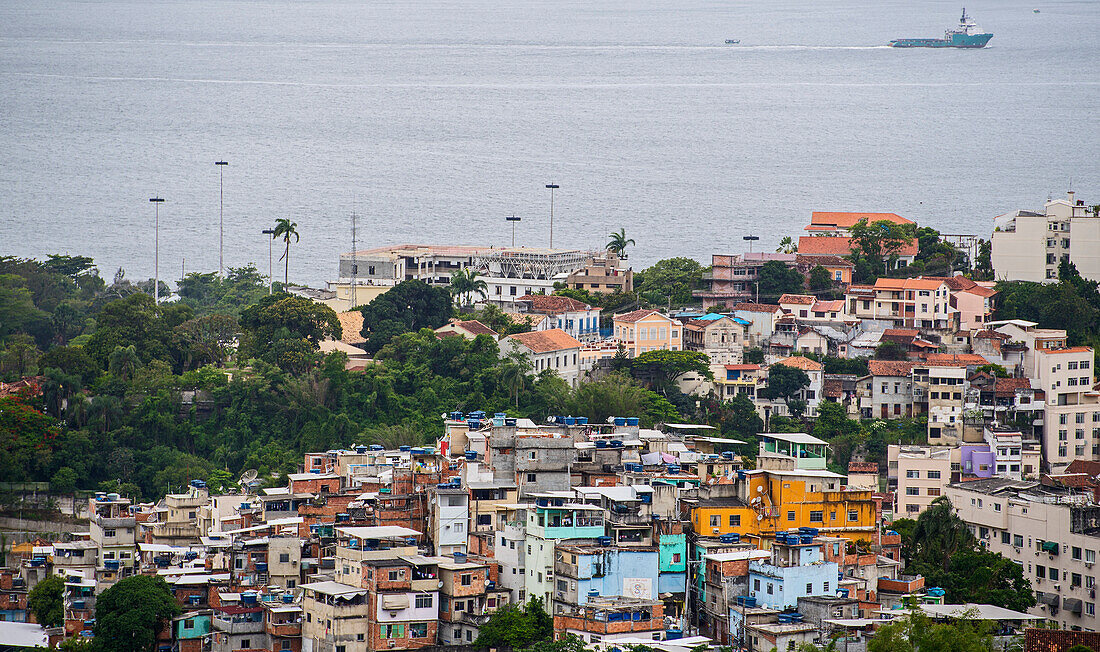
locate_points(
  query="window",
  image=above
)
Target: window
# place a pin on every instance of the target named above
(825, 587)
(284, 558)
(933, 475)
(770, 591)
(424, 601)
(397, 575)
(996, 507)
(1018, 540)
(1006, 538)
(676, 557)
(388, 631)
(189, 623)
(912, 491)
(809, 588)
(714, 519)
(1090, 608)
(817, 517)
(853, 515)
(735, 520)
(1040, 571)
(459, 605)
(1090, 556)
(1076, 553)
(467, 579)
(912, 474)
(530, 477)
(284, 644)
(790, 516)
(108, 533)
(246, 643)
(756, 585)
(933, 491)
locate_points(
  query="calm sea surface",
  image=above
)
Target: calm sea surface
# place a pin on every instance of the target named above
(433, 120)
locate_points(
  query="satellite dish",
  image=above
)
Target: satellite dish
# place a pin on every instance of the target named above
(760, 517)
(247, 478)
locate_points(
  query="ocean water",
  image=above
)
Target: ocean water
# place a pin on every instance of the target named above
(433, 120)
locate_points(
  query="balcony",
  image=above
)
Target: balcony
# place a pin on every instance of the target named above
(284, 629)
(429, 584)
(237, 625)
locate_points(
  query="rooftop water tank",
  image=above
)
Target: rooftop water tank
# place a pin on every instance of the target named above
(620, 421)
(603, 541)
(601, 443)
(632, 421)
(459, 557)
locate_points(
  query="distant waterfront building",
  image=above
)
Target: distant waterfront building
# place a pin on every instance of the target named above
(603, 274)
(1028, 245)
(509, 272)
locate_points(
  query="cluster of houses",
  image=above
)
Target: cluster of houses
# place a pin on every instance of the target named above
(627, 536)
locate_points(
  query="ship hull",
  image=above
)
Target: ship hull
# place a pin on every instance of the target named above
(956, 41)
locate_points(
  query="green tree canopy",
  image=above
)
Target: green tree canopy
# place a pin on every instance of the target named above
(890, 350)
(660, 369)
(284, 330)
(671, 277)
(619, 242)
(875, 245)
(45, 601)
(408, 307)
(515, 627)
(130, 614)
(776, 278)
(785, 382)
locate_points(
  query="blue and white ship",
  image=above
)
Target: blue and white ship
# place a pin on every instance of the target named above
(966, 35)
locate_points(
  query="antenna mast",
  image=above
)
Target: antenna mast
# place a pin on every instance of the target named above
(354, 265)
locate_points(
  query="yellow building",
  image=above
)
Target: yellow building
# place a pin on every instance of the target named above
(647, 330)
(761, 502)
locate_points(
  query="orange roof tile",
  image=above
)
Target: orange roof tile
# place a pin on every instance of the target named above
(845, 220)
(1068, 349)
(954, 359)
(637, 315)
(841, 246)
(352, 323)
(742, 367)
(829, 306)
(554, 339)
(475, 327)
(825, 260)
(554, 304)
(799, 299)
(801, 362)
(757, 307)
(889, 367)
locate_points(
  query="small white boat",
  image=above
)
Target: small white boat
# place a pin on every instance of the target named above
(732, 41)
(1035, 10)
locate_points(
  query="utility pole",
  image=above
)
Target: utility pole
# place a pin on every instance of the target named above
(552, 187)
(157, 201)
(221, 216)
(513, 219)
(354, 265)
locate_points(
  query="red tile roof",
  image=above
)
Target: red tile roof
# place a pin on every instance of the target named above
(825, 260)
(862, 467)
(829, 306)
(845, 220)
(1008, 386)
(901, 332)
(841, 246)
(554, 304)
(554, 339)
(1068, 349)
(475, 327)
(801, 362)
(889, 367)
(954, 359)
(799, 299)
(757, 307)
(742, 367)
(637, 315)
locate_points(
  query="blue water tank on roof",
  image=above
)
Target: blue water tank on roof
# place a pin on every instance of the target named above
(620, 421)
(632, 421)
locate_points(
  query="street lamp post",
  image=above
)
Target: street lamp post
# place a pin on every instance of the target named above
(750, 239)
(157, 201)
(552, 187)
(221, 216)
(270, 279)
(513, 219)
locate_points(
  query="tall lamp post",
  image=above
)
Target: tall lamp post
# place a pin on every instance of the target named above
(513, 219)
(750, 239)
(157, 201)
(221, 216)
(552, 187)
(270, 279)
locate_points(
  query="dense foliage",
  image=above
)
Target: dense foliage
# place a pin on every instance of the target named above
(940, 546)
(512, 626)
(669, 281)
(45, 601)
(130, 614)
(409, 306)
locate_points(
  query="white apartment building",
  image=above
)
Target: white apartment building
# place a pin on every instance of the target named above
(551, 349)
(921, 473)
(1051, 534)
(1027, 245)
(1072, 415)
(1033, 338)
(1007, 446)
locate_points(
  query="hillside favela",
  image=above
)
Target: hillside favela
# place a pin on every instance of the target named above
(475, 326)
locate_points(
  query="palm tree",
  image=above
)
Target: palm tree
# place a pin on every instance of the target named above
(124, 362)
(466, 282)
(787, 245)
(619, 243)
(285, 228)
